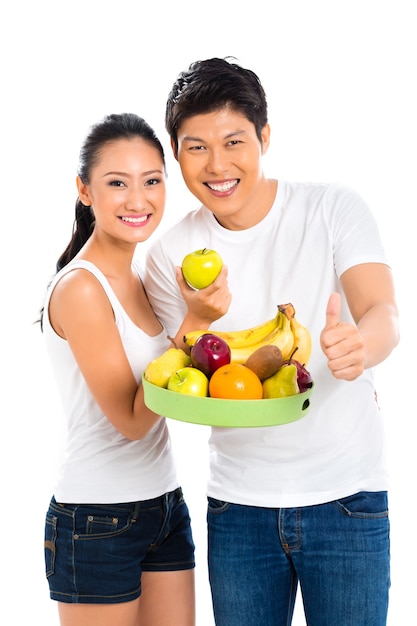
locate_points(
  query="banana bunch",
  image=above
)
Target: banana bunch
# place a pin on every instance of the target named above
(240, 338)
(302, 339)
(283, 330)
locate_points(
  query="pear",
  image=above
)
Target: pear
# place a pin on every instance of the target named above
(159, 371)
(282, 384)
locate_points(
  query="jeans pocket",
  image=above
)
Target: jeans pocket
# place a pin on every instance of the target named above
(100, 521)
(365, 504)
(50, 543)
(217, 506)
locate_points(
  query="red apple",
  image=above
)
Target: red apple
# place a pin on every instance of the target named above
(304, 378)
(210, 352)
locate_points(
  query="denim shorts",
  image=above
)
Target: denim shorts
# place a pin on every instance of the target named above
(96, 553)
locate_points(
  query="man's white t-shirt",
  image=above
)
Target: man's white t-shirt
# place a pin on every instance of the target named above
(297, 253)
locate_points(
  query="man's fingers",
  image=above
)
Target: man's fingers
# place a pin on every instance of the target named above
(333, 310)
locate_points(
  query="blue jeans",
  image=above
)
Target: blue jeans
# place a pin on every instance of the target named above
(338, 552)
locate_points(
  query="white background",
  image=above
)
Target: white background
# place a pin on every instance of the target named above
(340, 80)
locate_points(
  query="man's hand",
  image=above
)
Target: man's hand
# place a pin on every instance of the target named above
(209, 304)
(341, 343)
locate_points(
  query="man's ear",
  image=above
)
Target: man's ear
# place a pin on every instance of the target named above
(266, 136)
(174, 150)
(83, 192)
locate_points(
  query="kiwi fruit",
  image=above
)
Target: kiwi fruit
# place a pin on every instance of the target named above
(265, 361)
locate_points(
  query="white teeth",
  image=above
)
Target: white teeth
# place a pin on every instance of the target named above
(223, 186)
(134, 220)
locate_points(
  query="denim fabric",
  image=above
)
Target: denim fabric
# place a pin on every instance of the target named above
(337, 552)
(96, 553)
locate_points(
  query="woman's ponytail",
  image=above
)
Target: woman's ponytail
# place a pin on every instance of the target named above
(83, 227)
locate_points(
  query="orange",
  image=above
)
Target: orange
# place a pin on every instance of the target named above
(235, 381)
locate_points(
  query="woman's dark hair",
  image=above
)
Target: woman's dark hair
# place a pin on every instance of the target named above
(215, 84)
(111, 128)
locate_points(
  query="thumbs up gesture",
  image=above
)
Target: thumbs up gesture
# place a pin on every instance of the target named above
(341, 343)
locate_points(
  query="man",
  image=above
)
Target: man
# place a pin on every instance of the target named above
(304, 502)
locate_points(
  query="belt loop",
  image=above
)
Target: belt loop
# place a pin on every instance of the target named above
(135, 513)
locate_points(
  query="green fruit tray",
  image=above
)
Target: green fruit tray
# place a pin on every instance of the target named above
(226, 413)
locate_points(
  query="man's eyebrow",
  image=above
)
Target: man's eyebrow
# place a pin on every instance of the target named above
(228, 136)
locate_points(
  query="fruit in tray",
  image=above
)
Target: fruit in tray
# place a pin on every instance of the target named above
(272, 359)
(283, 331)
(235, 382)
(189, 380)
(265, 361)
(281, 384)
(209, 353)
(160, 370)
(304, 378)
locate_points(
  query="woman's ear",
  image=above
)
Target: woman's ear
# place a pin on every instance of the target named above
(83, 192)
(266, 136)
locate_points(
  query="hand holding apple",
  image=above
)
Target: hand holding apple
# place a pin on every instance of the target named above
(201, 267)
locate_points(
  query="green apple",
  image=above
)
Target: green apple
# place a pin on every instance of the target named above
(190, 381)
(201, 267)
(160, 370)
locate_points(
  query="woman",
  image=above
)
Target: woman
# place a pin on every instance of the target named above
(118, 542)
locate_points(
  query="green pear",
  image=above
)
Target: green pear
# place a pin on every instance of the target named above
(282, 384)
(159, 371)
